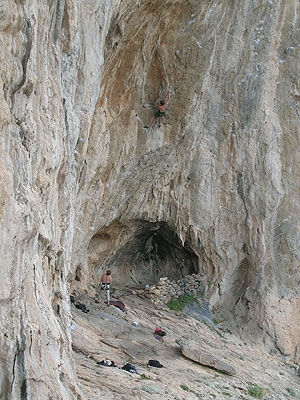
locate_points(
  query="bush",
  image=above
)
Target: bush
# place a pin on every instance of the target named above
(292, 392)
(184, 387)
(255, 391)
(181, 302)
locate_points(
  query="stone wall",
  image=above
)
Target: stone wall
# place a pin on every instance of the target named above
(166, 289)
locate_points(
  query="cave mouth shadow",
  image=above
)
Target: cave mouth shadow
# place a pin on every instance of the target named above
(153, 251)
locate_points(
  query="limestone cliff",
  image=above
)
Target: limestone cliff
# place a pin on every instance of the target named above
(84, 186)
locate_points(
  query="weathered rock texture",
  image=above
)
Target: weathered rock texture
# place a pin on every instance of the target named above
(215, 190)
(203, 356)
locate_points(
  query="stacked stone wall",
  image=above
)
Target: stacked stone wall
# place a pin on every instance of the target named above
(166, 289)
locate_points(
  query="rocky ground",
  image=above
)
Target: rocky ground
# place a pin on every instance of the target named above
(108, 333)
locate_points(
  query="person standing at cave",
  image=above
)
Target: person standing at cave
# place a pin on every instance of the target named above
(106, 280)
(161, 110)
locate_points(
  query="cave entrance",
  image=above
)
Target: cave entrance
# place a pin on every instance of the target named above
(151, 251)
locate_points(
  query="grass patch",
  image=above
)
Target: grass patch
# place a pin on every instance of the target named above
(144, 377)
(181, 302)
(184, 387)
(255, 391)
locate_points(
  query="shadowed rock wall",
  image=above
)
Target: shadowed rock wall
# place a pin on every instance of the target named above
(84, 186)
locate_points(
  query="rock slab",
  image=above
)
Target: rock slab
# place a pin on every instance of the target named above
(202, 356)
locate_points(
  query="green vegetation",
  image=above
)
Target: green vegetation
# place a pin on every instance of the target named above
(292, 392)
(255, 391)
(184, 387)
(143, 377)
(181, 302)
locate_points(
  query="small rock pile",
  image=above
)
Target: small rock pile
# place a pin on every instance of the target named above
(165, 289)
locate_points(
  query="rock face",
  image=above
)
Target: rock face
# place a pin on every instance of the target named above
(214, 190)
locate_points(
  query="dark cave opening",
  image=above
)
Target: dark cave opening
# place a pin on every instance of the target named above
(153, 251)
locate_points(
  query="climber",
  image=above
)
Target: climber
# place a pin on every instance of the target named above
(105, 284)
(161, 110)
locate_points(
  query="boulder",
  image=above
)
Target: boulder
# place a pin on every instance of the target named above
(194, 352)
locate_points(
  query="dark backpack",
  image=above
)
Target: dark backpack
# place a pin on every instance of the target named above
(130, 368)
(155, 363)
(81, 307)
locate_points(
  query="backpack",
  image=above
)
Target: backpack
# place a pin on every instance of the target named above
(155, 363)
(81, 307)
(106, 363)
(130, 368)
(118, 304)
(160, 332)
